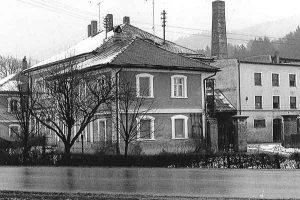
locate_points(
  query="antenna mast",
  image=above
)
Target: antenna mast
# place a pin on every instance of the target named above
(153, 18)
(164, 24)
(153, 22)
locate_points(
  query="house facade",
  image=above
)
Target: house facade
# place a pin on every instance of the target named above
(9, 125)
(265, 91)
(161, 73)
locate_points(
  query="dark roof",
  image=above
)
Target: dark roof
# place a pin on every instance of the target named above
(141, 52)
(129, 32)
(221, 102)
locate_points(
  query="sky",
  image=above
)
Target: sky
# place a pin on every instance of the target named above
(40, 29)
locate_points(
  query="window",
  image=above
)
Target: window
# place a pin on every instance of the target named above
(275, 79)
(145, 128)
(101, 130)
(293, 103)
(13, 104)
(276, 102)
(257, 79)
(292, 78)
(40, 85)
(179, 127)
(144, 85)
(258, 102)
(13, 130)
(178, 86)
(259, 123)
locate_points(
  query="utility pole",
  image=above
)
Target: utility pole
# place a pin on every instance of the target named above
(164, 24)
(99, 16)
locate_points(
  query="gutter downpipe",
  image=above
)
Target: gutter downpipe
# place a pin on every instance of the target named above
(239, 79)
(204, 115)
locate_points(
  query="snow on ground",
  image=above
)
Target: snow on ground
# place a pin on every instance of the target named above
(275, 148)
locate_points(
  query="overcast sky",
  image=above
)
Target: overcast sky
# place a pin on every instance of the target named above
(42, 28)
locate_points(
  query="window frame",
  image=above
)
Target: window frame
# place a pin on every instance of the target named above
(185, 120)
(279, 103)
(137, 81)
(295, 81)
(98, 127)
(9, 99)
(295, 102)
(278, 79)
(147, 117)
(260, 78)
(9, 129)
(259, 120)
(255, 103)
(184, 88)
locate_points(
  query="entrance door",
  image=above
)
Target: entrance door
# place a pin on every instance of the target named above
(277, 130)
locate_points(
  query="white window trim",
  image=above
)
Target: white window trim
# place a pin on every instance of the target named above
(261, 79)
(272, 79)
(295, 80)
(9, 131)
(184, 87)
(138, 119)
(185, 118)
(290, 103)
(43, 86)
(137, 80)
(98, 125)
(9, 99)
(262, 100)
(91, 131)
(279, 102)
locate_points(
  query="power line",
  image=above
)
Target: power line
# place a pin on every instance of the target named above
(62, 8)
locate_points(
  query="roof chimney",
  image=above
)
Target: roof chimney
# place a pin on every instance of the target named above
(109, 22)
(218, 38)
(275, 58)
(117, 34)
(94, 28)
(126, 20)
(89, 30)
(24, 63)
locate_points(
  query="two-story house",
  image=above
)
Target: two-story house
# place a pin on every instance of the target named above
(166, 73)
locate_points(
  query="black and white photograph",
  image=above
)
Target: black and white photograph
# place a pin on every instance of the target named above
(149, 99)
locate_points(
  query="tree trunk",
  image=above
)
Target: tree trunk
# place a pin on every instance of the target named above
(126, 148)
(67, 154)
(25, 154)
(25, 151)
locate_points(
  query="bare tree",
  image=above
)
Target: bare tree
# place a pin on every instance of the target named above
(9, 65)
(23, 113)
(66, 100)
(133, 120)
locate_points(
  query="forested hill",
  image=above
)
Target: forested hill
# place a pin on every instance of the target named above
(287, 46)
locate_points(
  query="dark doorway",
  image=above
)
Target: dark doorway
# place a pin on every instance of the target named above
(277, 130)
(226, 132)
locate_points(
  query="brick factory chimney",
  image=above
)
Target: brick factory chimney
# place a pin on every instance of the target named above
(89, 30)
(110, 22)
(94, 28)
(218, 37)
(126, 20)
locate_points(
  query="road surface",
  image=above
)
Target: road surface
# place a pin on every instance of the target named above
(159, 181)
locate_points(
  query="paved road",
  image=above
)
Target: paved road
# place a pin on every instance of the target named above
(179, 182)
